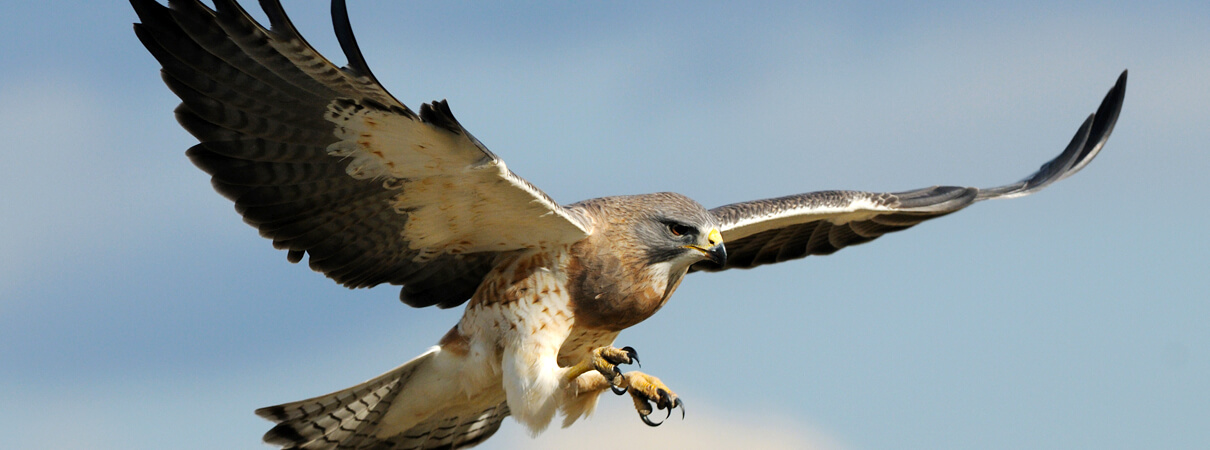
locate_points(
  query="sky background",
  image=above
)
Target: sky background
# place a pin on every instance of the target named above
(137, 311)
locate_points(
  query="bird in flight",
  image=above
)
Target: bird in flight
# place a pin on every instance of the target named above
(330, 166)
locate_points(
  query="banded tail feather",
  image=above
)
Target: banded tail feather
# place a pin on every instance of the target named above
(349, 418)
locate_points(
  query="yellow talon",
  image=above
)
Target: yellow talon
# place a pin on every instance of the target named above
(645, 389)
(604, 360)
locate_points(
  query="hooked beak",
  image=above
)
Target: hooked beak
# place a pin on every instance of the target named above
(716, 253)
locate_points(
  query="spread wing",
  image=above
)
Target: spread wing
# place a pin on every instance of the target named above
(324, 161)
(820, 223)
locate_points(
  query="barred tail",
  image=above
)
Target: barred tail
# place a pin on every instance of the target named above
(350, 418)
(342, 419)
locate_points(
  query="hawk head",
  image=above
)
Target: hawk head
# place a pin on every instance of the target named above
(674, 229)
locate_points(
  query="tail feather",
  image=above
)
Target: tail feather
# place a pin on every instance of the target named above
(350, 418)
(342, 419)
(451, 431)
(346, 424)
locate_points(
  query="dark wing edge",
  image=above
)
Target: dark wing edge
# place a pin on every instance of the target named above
(820, 223)
(1084, 146)
(263, 103)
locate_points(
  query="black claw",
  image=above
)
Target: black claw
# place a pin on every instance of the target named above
(632, 354)
(617, 372)
(644, 415)
(649, 422)
(666, 401)
(617, 390)
(678, 404)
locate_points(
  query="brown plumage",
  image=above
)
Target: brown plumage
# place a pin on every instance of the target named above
(329, 165)
(613, 281)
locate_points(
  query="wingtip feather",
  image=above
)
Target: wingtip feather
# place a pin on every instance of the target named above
(348, 41)
(1087, 143)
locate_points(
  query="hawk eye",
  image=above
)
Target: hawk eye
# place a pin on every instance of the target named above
(679, 229)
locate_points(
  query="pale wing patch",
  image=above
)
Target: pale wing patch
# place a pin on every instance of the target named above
(457, 198)
(860, 208)
(385, 145)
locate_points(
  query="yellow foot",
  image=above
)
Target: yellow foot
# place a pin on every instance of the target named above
(606, 360)
(645, 389)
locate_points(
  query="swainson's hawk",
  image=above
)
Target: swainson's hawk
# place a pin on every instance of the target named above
(325, 162)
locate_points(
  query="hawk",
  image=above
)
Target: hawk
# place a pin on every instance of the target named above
(325, 162)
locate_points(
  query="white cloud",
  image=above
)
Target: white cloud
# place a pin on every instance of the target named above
(704, 427)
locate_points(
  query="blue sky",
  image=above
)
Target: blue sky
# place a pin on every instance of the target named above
(137, 311)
